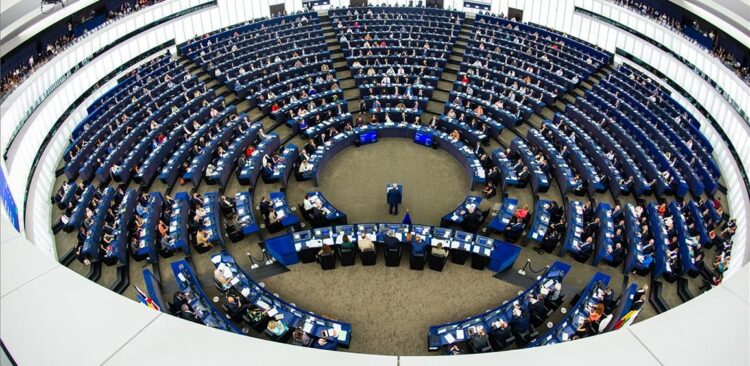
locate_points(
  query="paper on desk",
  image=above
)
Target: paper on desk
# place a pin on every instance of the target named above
(308, 327)
(245, 292)
(297, 246)
(181, 277)
(342, 335)
(234, 280)
(216, 259)
(460, 334)
(272, 312)
(449, 338)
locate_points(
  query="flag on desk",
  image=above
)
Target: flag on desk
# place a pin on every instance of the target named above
(627, 319)
(407, 218)
(145, 299)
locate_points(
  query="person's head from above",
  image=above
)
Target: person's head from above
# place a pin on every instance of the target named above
(516, 311)
(184, 307)
(345, 238)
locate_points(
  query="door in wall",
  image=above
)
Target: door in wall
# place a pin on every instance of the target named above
(278, 9)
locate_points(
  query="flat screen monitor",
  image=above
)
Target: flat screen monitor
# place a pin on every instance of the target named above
(423, 138)
(368, 137)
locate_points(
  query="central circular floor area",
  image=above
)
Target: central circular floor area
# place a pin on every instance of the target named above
(354, 181)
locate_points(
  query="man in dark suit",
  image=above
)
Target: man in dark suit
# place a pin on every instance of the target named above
(393, 196)
(513, 231)
(519, 322)
(391, 242)
(537, 308)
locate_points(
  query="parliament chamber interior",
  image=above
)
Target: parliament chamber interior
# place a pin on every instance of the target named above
(394, 182)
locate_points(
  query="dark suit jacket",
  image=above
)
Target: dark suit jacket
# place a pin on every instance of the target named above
(520, 324)
(391, 243)
(394, 196)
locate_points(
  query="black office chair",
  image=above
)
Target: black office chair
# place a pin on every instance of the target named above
(459, 256)
(437, 262)
(393, 257)
(538, 319)
(235, 234)
(417, 261)
(368, 257)
(500, 343)
(259, 326)
(304, 213)
(327, 261)
(346, 256)
(553, 304)
(523, 338)
(485, 348)
(284, 338)
(479, 261)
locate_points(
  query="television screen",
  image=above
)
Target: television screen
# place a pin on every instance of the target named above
(423, 138)
(368, 137)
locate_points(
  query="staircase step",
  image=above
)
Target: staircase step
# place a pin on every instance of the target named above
(456, 58)
(449, 77)
(440, 96)
(344, 74)
(347, 84)
(351, 94)
(354, 107)
(435, 107)
(340, 65)
(444, 85)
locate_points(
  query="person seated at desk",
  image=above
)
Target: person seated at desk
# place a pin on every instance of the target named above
(305, 166)
(618, 253)
(301, 338)
(276, 328)
(221, 279)
(325, 250)
(391, 242)
(592, 227)
(472, 219)
(265, 207)
(196, 200)
(267, 170)
(479, 340)
(439, 251)
(418, 245)
(346, 243)
(202, 240)
(365, 244)
(584, 249)
(596, 313)
(523, 176)
(308, 203)
(519, 322)
(188, 314)
(489, 190)
(235, 308)
(453, 350)
(514, 230)
(500, 330)
(178, 299)
(226, 205)
(585, 329)
(537, 307)
(521, 213)
(454, 136)
(550, 241)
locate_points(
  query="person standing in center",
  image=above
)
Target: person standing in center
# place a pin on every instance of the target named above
(394, 199)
